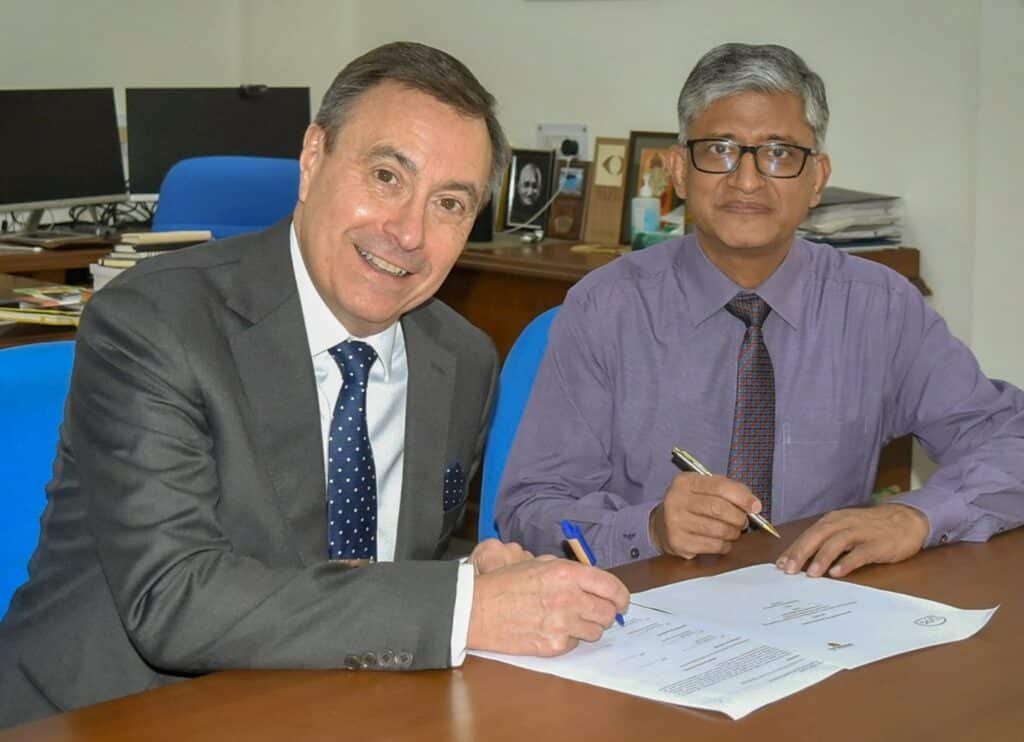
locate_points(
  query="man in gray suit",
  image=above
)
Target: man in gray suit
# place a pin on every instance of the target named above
(191, 521)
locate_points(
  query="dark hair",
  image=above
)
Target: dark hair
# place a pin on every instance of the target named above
(731, 69)
(422, 68)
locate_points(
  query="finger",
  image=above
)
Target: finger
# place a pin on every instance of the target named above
(806, 545)
(688, 545)
(709, 516)
(831, 549)
(602, 584)
(852, 560)
(735, 492)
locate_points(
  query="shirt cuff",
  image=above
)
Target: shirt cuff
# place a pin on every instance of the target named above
(463, 608)
(945, 512)
(630, 535)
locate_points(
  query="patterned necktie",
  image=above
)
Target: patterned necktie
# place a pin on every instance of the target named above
(753, 425)
(351, 476)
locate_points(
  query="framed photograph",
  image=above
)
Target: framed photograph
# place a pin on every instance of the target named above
(565, 218)
(529, 188)
(648, 155)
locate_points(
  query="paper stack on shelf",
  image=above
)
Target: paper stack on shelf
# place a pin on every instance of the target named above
(136, 246)
(55, 304)
(846, 218)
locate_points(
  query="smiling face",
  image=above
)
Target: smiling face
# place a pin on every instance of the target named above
(383, 216)
(744, 214)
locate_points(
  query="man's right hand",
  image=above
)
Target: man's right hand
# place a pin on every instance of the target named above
(701, 515)
(543, 607)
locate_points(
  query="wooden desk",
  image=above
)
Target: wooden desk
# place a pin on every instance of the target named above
(501, 287)
(52, 265)
(969, 690)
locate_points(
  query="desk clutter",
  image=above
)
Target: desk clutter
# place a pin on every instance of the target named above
(45, 304)
(137, 246)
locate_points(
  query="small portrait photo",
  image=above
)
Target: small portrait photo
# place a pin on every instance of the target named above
(529, 187)
(571, 181)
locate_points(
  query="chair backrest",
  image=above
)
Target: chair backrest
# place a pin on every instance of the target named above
(227, 195)
(514, 387)
(33, 385)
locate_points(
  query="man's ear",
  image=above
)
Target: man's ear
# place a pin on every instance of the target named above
(822, 172)
(677, 166)
(313, 154)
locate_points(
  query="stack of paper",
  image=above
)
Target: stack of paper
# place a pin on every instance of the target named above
(136, 246)
(847, 218)
(55, 304)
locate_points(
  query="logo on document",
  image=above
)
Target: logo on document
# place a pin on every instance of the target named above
(930, 621)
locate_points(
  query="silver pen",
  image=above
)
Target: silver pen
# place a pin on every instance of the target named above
(685, 461)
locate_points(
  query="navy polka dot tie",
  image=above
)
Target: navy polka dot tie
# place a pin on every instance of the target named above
(753, 426)
(351, 476)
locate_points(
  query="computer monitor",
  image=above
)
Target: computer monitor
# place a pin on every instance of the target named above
(166, 125)
(58, 148)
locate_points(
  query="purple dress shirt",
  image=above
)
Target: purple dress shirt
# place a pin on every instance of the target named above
(642, 357)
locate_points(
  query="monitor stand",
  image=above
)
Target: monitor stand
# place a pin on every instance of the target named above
(33, 234)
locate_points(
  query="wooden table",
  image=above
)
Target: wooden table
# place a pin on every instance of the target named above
(50, 265)
(969, 690)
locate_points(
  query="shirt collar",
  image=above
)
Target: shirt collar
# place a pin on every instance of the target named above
(323, 329)
(708, 290)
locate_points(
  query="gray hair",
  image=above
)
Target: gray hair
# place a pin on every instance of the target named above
(731, 69)
(421, 68)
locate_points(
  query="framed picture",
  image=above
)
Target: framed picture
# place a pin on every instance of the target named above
(648, 155)
(606, 191)
(529, 188)
(565, 218)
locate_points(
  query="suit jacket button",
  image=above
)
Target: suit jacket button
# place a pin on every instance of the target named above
(387, 658)
(404, 659)
(368, 661)
(352, 662)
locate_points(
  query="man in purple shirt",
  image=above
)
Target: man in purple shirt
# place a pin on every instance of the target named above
(644, 355)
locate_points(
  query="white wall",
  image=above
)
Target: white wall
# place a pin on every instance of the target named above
(997, 332)
(103, 43)
(925, 94)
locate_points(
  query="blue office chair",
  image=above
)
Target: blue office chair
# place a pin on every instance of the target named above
(514, 387)
(34, 382)
(227, 195)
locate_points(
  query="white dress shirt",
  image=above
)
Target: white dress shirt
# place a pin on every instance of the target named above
(386, 391)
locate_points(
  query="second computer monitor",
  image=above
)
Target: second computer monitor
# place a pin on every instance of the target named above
(166, 125)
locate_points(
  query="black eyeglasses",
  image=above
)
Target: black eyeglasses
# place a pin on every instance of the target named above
(773, 159)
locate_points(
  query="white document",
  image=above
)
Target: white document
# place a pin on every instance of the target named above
(743, 639)
(678, 660)
(834, 621)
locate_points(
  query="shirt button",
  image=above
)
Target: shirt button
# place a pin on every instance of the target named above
(943, 538)
(634, 552)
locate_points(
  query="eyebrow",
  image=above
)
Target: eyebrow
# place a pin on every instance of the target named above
(387, 152)
(784, 138)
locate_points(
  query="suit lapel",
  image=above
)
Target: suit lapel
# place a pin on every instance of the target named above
(427, 415)
(277, 377)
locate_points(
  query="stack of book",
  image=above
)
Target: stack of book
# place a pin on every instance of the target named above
(54, 304)
(852, 219)
(136, 246)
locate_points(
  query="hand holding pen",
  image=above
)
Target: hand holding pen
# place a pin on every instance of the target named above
(703, 514)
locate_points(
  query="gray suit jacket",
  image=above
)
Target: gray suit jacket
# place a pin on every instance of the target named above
(185, 529)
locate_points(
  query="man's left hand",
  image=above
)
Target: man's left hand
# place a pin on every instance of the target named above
(492, 554)
(845, 540)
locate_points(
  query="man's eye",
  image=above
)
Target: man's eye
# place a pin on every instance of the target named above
(779, 151)
(451, 204)
(719, 148)
(385, 176)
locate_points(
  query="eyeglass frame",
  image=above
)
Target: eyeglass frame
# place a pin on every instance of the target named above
(752, 149)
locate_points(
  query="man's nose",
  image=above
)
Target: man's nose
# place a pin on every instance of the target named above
(746, 176)
(405, 224)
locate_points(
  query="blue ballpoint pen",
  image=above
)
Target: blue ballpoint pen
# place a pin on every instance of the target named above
(580, 547)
